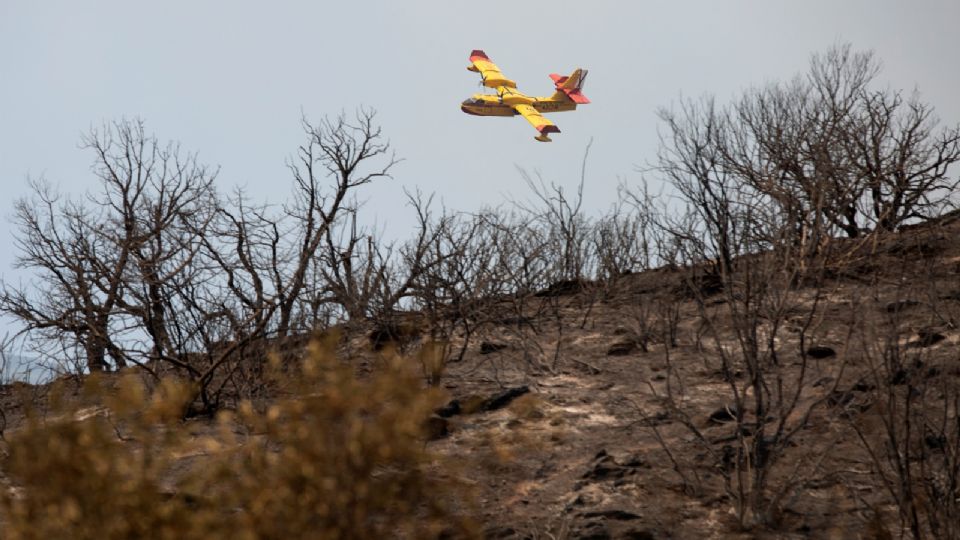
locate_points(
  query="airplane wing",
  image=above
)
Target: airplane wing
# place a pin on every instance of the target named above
(538, 121)
(489, 72)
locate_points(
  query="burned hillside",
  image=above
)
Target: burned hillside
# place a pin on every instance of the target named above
(767, 347)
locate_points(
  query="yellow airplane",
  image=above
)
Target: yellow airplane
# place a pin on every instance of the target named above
(509, 101)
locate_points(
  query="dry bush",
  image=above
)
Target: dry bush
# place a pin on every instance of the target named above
(910, 433)
(77, 475)
(768, 184)
(337, 458)
(740, 264)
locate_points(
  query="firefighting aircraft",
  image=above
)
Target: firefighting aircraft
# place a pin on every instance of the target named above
(508, 101)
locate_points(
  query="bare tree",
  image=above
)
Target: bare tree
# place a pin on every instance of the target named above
(737, 249)
(566, 227)
(341, 150)
(71, 303)
(243, 247)
(158, 202)
(901, 159)
(910, 432)
(102, 262)
(831, 153)
(623, 239)
(691, 158)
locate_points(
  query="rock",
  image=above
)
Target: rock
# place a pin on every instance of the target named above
(475, 404)
(622, 347)
(437, 427)
(504, 398)
(900, 305)
(935, 441)
(927, 337)
(952, 295)
(723, 415)
(637, 534)
(820, 352)
(488, 347)
(450, 409)
(564, 287)
(593, 530)
(605, 467)
(619, 515)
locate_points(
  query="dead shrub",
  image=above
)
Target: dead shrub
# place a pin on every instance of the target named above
(338, 457)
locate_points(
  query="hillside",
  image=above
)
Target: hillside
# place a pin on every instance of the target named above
(602, 450)
(572, 415)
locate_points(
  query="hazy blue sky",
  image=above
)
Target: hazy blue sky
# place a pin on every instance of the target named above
(230, 79)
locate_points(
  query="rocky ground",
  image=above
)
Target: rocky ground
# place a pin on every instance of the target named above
(595, 451)
(579, 419)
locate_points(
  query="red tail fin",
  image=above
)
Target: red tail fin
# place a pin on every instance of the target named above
(571, 85)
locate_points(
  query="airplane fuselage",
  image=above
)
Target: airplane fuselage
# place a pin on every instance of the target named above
(493, 105)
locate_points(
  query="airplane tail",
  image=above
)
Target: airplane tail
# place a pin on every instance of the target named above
(569, 87)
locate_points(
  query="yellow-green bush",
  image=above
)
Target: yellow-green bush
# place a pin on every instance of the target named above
(78, 475)
(337, 457)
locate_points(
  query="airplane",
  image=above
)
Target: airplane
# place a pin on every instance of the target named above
(509, 101)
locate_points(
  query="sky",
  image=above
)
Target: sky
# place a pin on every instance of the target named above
(231, 79)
